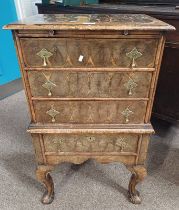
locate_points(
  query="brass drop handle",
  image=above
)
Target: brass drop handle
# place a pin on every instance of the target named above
(52, 113)
(134, 54)
(45, 61)
(48, 85)
(120, 144)
(126, 113)
(45, 55)
(130, 85)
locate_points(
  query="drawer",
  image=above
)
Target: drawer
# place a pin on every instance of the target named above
(84, 143)
(82, 84)
(76, 148)
(80, 53)
(90, 112)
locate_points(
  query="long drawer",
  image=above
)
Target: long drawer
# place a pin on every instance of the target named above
(125, 147)
(82, 84)
(56, 143)
(80, 53)
(94, 112)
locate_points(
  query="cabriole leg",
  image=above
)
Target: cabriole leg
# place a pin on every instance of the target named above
(138, 174)
(43, 176)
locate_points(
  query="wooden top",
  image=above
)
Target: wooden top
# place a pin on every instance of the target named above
(91, 22)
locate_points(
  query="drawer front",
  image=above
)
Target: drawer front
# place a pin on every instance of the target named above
(89, 84)
(90, 143)
(91, 112)
(80, 53)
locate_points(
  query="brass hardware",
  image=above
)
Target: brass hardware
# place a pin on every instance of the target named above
(58, 143)
(133, 55)
(51, 32)
(45, 55)
(54, 49)
(126, 113)
(120, 144)
(126, 32)
(91, 139)
(52, 112)
(130, 85)
(49, 85)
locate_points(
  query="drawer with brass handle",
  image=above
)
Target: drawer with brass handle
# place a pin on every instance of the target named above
(126, 147)
(89, 53)
(90, 143)
(92, 112)
(65, 84)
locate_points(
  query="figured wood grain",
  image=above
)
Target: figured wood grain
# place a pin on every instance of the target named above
(155, 78)
(54, 160)
(101, 85)
(77, 70)
(95, 52)
(90, 143)
(38, 149)
(91, 22)
(24, 76)
(95, 112)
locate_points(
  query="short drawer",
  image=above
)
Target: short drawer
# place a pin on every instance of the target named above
(82, 84)
(91, 112)
(80, 53)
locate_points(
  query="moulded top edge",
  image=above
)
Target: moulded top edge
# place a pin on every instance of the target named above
(90, 22)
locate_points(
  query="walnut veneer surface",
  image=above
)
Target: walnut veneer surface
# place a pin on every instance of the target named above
(90, 82)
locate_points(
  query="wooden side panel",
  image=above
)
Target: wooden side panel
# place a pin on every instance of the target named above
(143, 149)
(38, 148)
